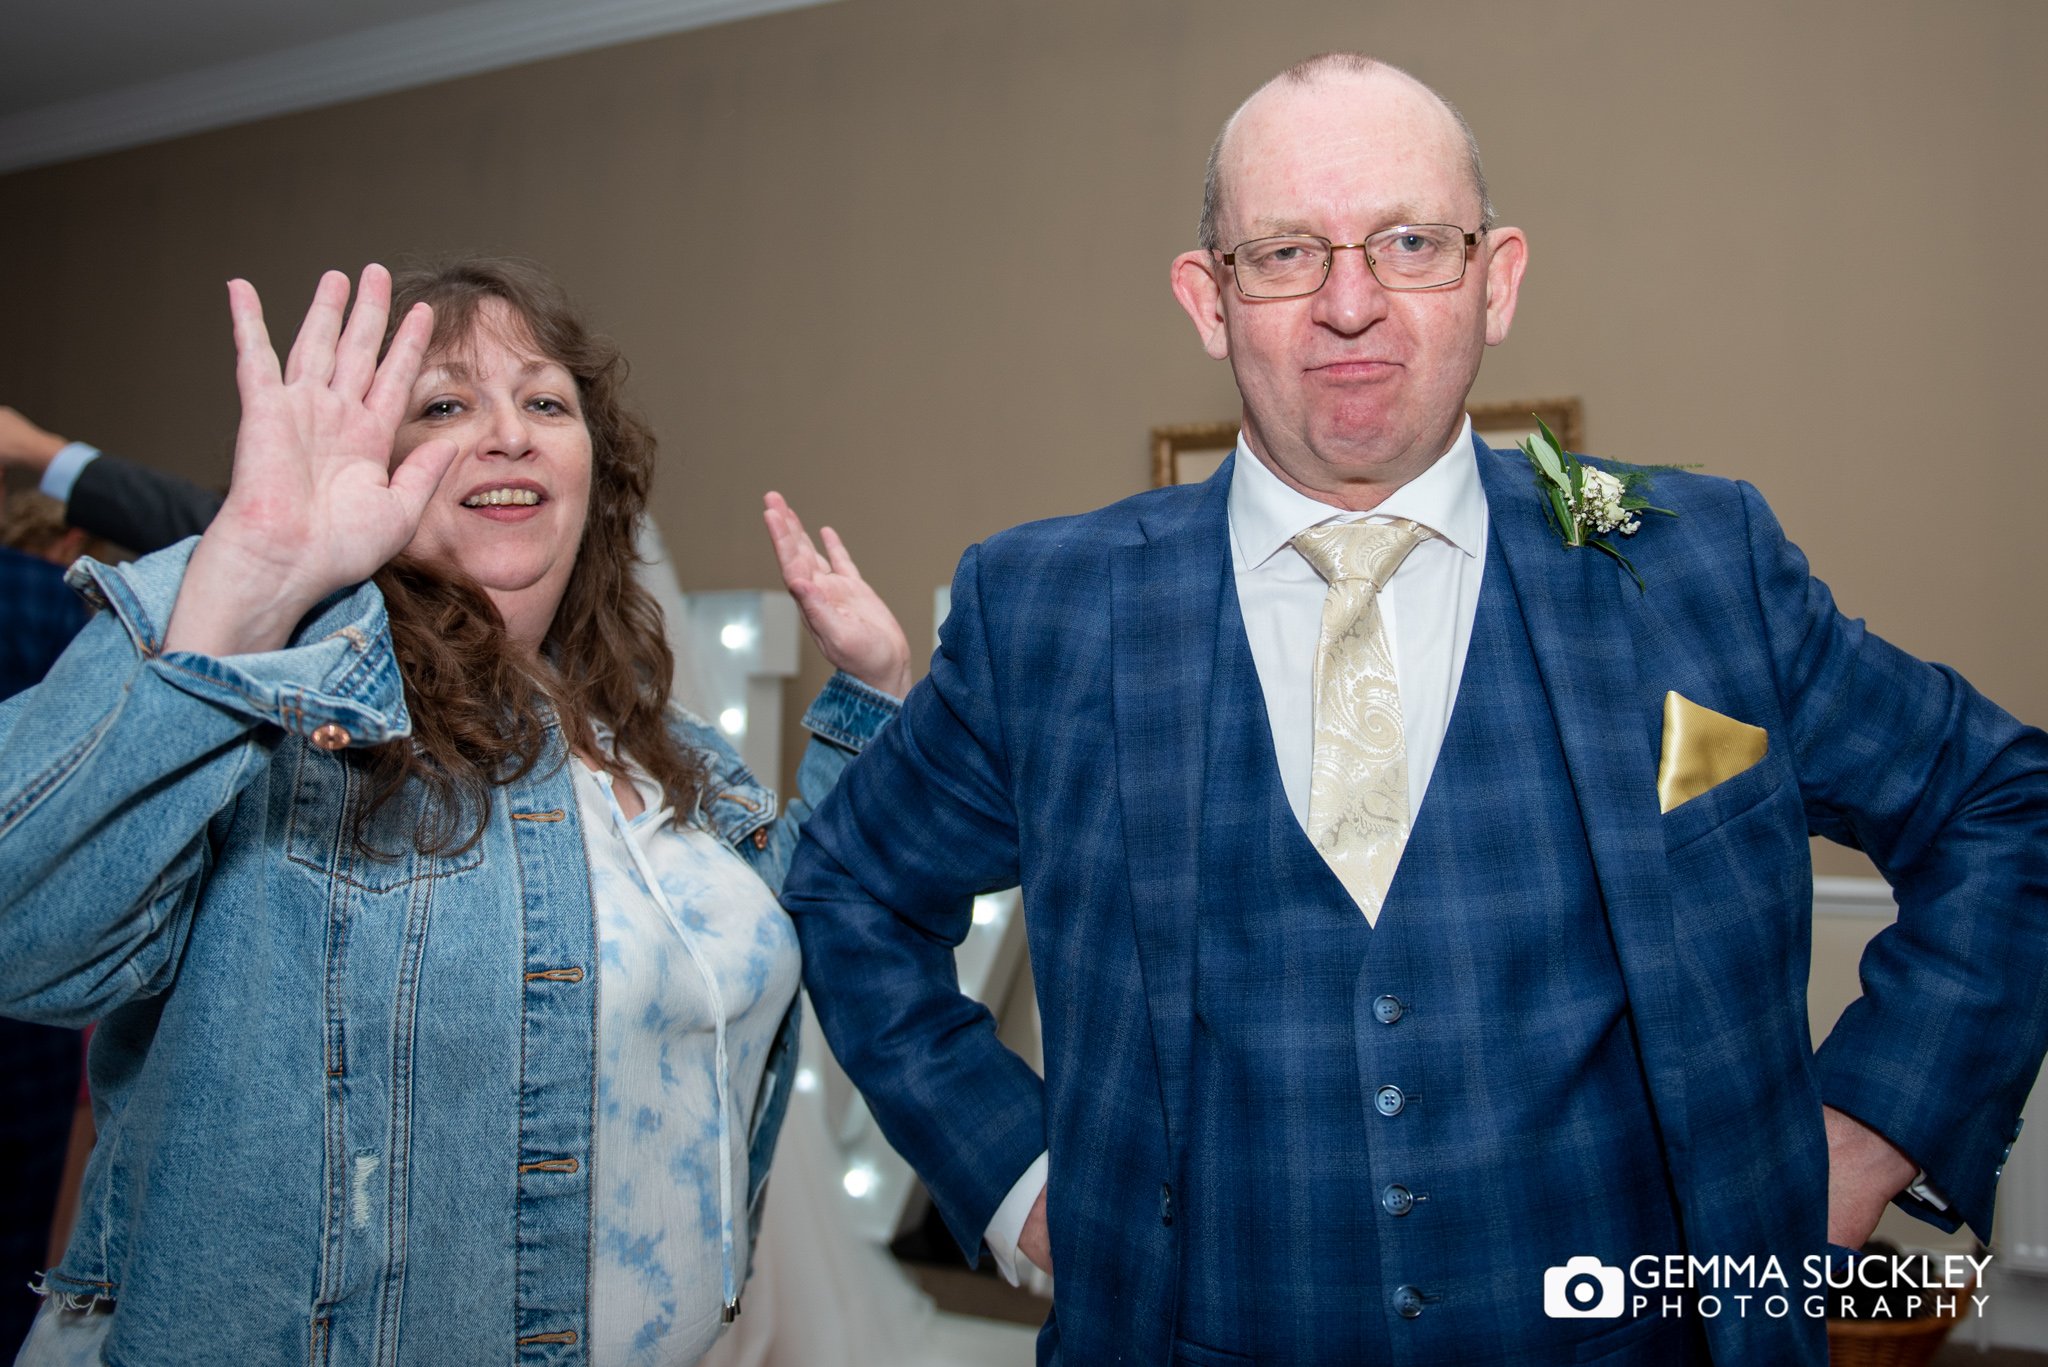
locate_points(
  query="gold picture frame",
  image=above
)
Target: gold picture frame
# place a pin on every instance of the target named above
(1189, 452)
(1503, 425)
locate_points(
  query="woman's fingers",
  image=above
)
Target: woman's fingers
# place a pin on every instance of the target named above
(255, 361)
(780, 512)
(391, 391)
(836, 553)
(312, 356)
(419, 475)
(852, 626)
(794, 552)
(355, 358)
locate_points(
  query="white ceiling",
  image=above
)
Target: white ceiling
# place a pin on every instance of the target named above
(78, 77)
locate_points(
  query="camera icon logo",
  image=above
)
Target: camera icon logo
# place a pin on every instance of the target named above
(1583, 1289)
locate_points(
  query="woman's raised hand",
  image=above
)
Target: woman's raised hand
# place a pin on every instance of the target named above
(315, 503)
(847, 619)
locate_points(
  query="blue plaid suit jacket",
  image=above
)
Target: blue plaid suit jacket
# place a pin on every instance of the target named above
(1058, 742)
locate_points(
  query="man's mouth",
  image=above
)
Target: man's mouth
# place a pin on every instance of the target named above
(503, 498)
(1354, 368)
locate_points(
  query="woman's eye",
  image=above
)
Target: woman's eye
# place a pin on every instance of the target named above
(441, 408)
(549, 406)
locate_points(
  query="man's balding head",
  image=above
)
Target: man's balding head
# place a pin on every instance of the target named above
(1330, 66)
(1354, 386)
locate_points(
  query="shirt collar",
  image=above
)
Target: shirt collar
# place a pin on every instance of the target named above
(1266, 514)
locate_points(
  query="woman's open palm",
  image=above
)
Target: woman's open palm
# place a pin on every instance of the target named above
(315, 503)
(314, 492)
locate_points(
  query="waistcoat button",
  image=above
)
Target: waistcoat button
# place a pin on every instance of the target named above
(1407, 1302)
(1387, 1009)
(1389, 1100)
(1397, 1200)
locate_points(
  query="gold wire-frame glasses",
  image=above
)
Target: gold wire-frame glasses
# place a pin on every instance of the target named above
(1409, 256)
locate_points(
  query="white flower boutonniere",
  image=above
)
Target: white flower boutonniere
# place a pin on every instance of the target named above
(1586, 504)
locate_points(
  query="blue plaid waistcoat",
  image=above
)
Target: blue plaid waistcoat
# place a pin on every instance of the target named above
(1396, 1130)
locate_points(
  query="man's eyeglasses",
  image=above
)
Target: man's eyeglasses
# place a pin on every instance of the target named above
(1413, 256)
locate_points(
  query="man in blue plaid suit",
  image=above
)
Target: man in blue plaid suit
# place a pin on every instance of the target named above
(1273, 1129)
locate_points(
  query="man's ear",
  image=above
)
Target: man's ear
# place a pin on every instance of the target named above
(1507, 256)
(1195, 286)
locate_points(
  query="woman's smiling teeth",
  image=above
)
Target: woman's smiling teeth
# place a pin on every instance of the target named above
(501, 498)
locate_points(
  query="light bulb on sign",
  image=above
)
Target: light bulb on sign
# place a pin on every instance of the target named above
(736, 636)
(733, 720)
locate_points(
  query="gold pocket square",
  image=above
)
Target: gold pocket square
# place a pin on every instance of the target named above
(1702, 748)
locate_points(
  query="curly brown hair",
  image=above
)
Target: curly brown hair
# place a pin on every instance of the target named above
(480, 707)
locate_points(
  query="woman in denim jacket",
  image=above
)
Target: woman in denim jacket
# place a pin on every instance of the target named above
(446, 1011)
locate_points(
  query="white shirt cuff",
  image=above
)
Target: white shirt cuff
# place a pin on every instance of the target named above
(62, 471)
(1007, 1225)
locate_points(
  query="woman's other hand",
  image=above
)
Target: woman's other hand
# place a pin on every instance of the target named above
(850, 623)
(314, 504)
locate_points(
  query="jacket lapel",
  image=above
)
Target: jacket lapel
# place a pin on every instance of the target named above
(1164, 596)
(1583, 612)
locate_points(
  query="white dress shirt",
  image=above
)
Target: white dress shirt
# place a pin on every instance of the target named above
(1427, 608)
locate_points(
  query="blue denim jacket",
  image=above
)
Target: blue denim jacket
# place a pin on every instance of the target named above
(346, 1106)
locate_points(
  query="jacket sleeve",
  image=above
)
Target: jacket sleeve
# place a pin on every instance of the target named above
(843, 720)
(1949, 796)
(113, 767)
(882, 890)
(135, 506)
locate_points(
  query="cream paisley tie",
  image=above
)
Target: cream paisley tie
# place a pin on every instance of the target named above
(1358, 795)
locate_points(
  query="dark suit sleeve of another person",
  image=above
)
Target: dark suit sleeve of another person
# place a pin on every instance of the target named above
(134, 506)
(881, 890)
(1948, 794)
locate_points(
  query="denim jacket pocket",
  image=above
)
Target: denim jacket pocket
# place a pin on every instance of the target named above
(324, 785)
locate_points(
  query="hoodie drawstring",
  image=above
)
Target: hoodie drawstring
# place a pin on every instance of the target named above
(731, 1309)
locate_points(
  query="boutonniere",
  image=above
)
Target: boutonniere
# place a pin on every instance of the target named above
(1586, 504)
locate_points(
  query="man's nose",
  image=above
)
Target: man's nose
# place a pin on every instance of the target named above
(1352, 298)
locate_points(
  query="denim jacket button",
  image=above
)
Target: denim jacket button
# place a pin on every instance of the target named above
(332, 737)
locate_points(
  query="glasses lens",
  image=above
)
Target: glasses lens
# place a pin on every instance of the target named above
(1276, 267)
(1417, 256)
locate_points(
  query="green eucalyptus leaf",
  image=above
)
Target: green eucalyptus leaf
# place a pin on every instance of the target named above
(1543, 455)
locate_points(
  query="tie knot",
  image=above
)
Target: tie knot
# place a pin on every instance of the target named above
(1360, 550)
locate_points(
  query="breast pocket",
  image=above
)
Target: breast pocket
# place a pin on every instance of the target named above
(321, 829)
(1741, 882)
(1729, 801)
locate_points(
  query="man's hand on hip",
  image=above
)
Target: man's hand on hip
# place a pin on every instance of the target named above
(1035, 1242)
(1865, 1170)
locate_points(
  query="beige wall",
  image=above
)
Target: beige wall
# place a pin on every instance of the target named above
(956, 316)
